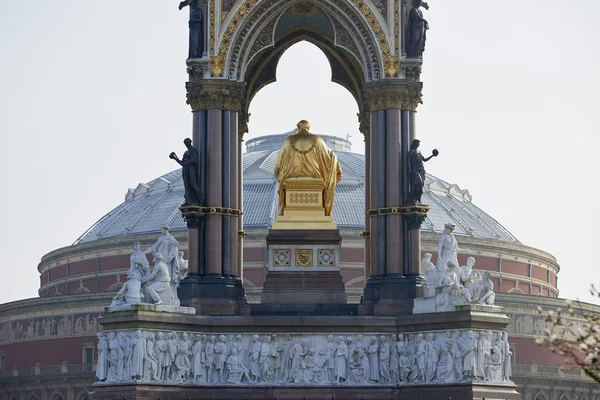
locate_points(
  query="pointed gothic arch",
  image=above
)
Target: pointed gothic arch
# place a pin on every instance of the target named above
(353, 37)
(364, 49)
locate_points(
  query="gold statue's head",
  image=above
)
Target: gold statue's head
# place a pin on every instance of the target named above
(303, 126)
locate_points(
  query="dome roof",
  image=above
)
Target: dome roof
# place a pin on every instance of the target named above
(151, 204)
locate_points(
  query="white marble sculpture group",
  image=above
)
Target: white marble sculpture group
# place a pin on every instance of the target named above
(341, 359)
(157, 284)
(448, 284)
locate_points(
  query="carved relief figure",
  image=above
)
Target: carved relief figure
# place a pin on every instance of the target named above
(255, 358)
(162, 355)
(495, 365)
(469, 361)
(115, 358)
(384, 360)
(445, 368)
(394, 359)
(404, 366)
(372, 352)
(127, 350)
(457, 352)
(172, 352)
(182, 359)
(341, 356)
(328, 354)
(284, 363)
(151, 366)
(221, 357)
(198, 361)
(138, 353)
(210, 357)
(237, 372)
(483, 350)
(432, 354)
(297, 352)
(507, 370)
(102, 368)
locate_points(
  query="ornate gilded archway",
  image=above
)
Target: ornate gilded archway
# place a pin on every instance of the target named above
(364, 41)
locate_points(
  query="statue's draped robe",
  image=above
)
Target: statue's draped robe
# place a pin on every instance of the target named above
(196, 25)
(417, 31)
(307, 155)
(416, 174)
(189, 173)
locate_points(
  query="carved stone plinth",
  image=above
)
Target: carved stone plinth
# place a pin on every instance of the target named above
(214, 295)
(267, 357)
(150, 307)
(428, 305)
(304, 268)
(304, 206)
(391, 295)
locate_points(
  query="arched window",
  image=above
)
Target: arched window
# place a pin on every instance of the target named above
(540, 396)
(56, 396)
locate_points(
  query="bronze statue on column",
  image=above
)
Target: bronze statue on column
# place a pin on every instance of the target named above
(196, 25)
(189, 173)
(416, 31)
(416, 171)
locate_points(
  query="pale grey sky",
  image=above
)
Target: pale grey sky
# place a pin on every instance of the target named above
(92, 101)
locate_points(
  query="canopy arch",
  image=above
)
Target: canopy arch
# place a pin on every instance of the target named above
(355, 31)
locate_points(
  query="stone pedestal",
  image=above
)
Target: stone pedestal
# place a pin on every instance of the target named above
(303, 270)
(291, 344)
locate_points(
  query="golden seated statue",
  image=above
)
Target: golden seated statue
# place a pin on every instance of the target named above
(307, 171)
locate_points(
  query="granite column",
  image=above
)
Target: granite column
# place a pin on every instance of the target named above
(393, 281)
(214, 286)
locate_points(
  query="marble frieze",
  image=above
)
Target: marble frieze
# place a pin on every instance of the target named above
(196, 358)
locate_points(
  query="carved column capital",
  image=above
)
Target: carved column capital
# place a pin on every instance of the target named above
(243, 119)
(224, 95)
(412, 69)
(383, 95)
(364, 124)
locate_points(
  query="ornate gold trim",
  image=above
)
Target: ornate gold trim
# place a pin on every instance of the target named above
(398, 210)
(217, 62)
(304, 257)
(202, 210)
(293, 143)
(391, 63)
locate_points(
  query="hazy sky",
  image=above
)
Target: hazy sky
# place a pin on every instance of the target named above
(92, 100)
